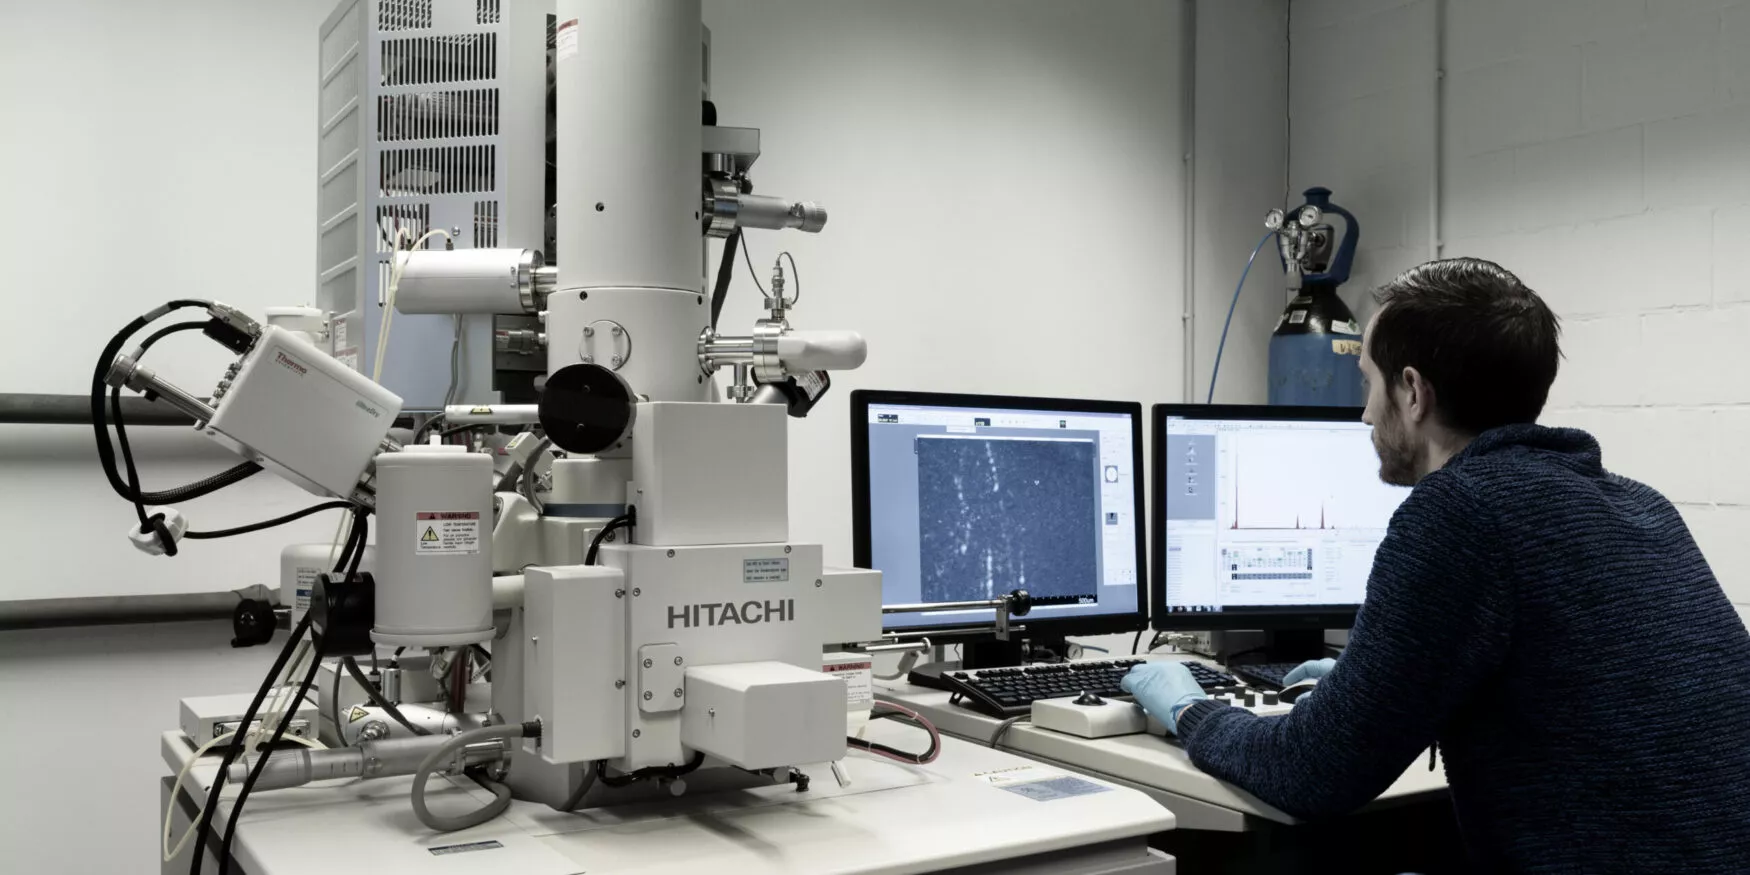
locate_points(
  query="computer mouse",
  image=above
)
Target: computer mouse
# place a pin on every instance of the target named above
(1294, 691)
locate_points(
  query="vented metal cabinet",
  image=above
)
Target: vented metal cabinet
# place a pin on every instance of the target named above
(432, 114)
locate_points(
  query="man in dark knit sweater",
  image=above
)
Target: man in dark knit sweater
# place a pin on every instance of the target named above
(1551, 626)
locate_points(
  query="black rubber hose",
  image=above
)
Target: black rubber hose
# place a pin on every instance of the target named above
(121, 431)
(350, 556)
(268, 524)
(106, 451)
(725, 272)
(203, 487)
(261, 760)
(205, 826)
(376, 697)
(99, 420)
(648, 773)
(625, 521)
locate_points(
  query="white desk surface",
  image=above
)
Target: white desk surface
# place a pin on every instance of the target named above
(1144, 761)
(894, 818)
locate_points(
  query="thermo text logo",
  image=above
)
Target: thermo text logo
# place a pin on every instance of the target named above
(730, 613)
(290, 364)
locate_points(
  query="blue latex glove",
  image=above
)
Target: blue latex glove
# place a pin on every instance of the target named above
(1314, 668)
(1163, 689)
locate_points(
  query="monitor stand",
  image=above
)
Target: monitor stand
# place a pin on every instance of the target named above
(1292, 645)
(987, 653)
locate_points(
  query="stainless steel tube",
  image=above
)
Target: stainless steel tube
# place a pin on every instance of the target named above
(898, 647)
(492, 414)
(127, 372)
(370, 759)
(761, 211)
(944, 606)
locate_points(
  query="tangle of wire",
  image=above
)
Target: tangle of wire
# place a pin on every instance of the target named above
(903, 715)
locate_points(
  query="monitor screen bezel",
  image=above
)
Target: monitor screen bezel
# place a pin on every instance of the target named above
(863, 549)
(1268, 619)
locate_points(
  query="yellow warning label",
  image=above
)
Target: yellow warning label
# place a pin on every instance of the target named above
(356, 714)
(1346, 347)
(481, 411)
(429, 536)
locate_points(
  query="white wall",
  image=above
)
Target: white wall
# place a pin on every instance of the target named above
(1241, 156)
(1363, 126)
(153, 150)
(1598, 149)
(1004, 185)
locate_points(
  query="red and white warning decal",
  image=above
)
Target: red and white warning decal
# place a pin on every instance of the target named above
(440, 532)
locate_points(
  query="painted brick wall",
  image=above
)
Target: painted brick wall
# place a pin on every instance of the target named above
(1601, 150)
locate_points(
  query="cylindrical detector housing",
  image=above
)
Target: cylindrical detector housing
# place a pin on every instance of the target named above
(650, 337)
(434, 547)
(803, 351)
(299, 565)
(589, 487)
(307, 322)
(492, 414)
(630, 77)
(468, 281)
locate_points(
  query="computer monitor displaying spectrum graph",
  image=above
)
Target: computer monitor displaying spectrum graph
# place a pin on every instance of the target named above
(1264, 517)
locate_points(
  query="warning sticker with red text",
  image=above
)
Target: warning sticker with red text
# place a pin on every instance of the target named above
(447, 532)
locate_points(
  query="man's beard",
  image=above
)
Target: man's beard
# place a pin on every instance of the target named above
(1399, 456)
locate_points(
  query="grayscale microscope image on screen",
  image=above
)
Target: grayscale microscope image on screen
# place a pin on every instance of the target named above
(967, 504)
(996, 514)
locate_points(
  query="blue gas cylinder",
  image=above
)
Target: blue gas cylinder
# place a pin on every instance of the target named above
(1315, 354)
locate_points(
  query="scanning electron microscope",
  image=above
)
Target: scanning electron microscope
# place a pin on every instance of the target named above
(642, 627)
(649, 616)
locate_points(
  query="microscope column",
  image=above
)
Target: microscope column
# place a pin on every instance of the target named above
(630, 194)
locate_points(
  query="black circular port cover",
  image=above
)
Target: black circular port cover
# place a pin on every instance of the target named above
(252, 623)
(586, 408)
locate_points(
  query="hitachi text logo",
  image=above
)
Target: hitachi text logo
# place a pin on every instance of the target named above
(290, 364)
(731, 613)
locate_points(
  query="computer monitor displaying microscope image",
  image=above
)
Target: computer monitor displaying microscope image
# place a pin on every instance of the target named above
(965, 498)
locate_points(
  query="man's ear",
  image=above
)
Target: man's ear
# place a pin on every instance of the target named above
(1418, 395)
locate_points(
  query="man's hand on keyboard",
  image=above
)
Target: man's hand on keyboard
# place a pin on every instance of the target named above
(1314, 668)
(1163, 689)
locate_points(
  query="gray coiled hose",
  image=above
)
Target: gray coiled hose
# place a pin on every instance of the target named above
(448, 753)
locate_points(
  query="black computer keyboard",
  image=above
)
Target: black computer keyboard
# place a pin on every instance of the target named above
(1011, 692)
(1265, 676)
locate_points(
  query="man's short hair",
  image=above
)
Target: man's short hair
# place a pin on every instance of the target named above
(1487, 344)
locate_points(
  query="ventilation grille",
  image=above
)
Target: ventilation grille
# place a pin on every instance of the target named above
(486, 12)
(410, 221)
(403, 14)
(399, 226)
(424, 60)
(434, 115)
(485, 224)
(437, 170)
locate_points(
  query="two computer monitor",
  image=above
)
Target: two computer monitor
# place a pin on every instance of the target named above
(1263, 517)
